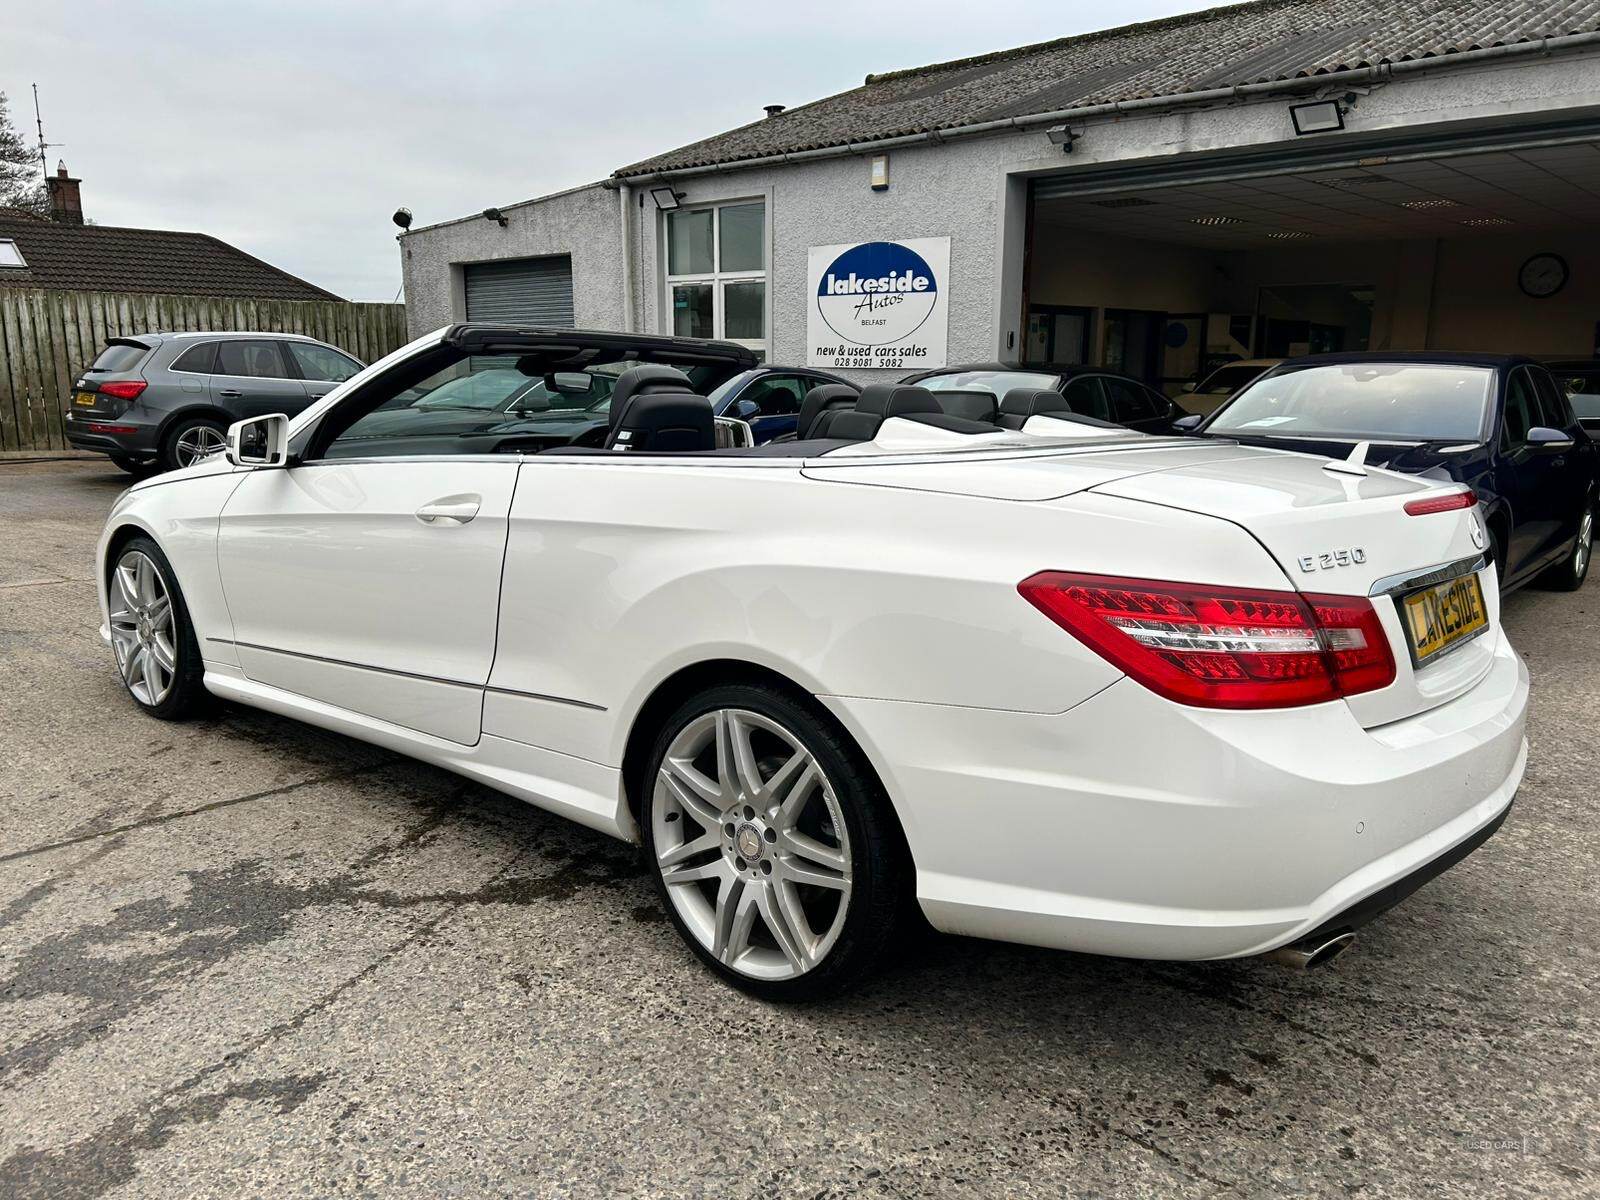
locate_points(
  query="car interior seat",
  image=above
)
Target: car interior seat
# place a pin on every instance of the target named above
(654, 409)
(820, 405)
(1021, 403)
(876, 404)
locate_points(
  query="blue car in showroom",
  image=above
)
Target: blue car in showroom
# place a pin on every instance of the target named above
(1498, 423)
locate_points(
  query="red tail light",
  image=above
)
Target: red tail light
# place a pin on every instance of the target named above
(1220, 647)
(125, 389)
(1438, 504)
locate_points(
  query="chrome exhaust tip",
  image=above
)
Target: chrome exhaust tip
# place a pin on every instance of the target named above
(1311, 952)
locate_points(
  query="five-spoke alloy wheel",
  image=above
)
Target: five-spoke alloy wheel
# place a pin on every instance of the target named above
(142, 629)
(190, 441)
(157, 654)
(770, 842)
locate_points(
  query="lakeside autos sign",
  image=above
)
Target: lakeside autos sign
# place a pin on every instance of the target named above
(878, 304)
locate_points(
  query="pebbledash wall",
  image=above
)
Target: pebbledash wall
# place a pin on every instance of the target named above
(972, 190)
(581, 223)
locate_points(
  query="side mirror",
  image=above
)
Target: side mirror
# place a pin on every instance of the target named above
(1188, 423)
(259, 442)
(731, 433)
(1542, 437)
(746, 410)
(1190, 385)
(568, 383)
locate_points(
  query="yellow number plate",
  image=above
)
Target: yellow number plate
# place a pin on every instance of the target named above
(1443, 616)
(84, 398)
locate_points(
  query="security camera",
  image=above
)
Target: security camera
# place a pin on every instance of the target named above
(402, 218)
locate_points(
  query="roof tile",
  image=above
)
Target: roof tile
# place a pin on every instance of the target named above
(1220, 47)
(114, 259)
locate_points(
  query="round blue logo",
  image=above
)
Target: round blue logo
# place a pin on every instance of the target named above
(876, 293)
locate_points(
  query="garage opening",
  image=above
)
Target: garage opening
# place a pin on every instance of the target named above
(1172, 279)
(522, 291)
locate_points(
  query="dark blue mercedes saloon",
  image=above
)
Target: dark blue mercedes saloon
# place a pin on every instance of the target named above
(1498, 423)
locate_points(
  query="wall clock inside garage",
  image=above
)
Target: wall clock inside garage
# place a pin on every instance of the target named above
(1543, 275)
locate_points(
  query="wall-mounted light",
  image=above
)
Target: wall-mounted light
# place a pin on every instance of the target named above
(1060, 135)
(1320, 116)
(666, 199)
(495, 215)
(880, 172)
(402, 218)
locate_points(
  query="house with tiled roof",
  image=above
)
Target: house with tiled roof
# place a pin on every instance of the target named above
(1157, 199)
(61, 252)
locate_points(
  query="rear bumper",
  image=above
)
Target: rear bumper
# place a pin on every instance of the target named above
(1133, 826)
(82, 434)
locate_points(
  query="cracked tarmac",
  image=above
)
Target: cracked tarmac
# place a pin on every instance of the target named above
(246, 956)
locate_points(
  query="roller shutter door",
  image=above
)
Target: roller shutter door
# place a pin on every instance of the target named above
(522, 291)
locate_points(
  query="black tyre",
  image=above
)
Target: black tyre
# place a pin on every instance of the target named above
(1569, 574)
(190, 439)
(158, 655)
(773, 846)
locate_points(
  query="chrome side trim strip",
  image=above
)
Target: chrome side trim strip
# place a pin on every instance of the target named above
(341, 662)
(1405, 581)
(500, 691)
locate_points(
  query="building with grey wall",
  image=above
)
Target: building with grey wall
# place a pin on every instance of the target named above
(1268, 178)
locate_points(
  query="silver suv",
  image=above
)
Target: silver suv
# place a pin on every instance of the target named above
(167, 399)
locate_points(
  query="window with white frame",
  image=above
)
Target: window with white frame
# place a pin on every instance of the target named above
(717, 272)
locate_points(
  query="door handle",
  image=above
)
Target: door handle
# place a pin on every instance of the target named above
(230, 393)
(450, 510)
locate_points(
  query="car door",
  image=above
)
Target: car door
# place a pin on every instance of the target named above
(252, 377)
(1525, 475)
(321, 368)
(1571, 469)
(1136, 406)
(771, 403)
(1085, 397)
(371, 583)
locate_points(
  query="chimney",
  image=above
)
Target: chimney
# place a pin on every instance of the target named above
(772, 110)
(66, 205)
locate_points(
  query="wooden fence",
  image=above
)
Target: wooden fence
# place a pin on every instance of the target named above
(47, 338)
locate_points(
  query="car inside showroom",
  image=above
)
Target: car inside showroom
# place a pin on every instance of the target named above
(1168, 278)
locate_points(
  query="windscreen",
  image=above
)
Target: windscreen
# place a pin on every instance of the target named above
(1583, 391)
(998, 382)
(1225, 381)
(1410, 402)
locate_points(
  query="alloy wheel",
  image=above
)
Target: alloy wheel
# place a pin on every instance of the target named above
(751, 844)
(197, 442)
(143, 632)
(1580, 558)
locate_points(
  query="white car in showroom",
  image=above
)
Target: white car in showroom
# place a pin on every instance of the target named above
(1043, 680)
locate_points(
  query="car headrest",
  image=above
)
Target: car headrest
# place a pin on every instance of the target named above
(646, 377)
(662, 422)
(895, 400)
(972, 404)
(820, 399)
(1033, 402)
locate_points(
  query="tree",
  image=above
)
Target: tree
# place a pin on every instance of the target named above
(20, 184)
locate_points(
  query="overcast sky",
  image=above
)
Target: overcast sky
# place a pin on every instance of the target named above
(293, 129)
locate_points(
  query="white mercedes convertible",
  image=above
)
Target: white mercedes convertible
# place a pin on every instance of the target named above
(1041, 679)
